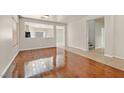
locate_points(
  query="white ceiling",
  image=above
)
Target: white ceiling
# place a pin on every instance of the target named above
(37, 25)
(58, 18)
(41, 17)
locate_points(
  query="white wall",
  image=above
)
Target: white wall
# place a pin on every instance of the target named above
(7, 50)
(99, 35)
(109, 36)
(75, 35)
(119, 36)
(103, 38)
(60, 36)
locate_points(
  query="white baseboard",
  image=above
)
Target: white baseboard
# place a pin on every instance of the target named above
(85, 49)
(98, 47)
(78, 48)
(35, 48)
(3, 73)
(108, 55)
(114, 56)
(119, 57)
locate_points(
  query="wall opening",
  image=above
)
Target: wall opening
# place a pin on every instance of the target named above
(96, 35)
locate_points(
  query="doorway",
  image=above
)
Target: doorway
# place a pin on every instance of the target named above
(96, 36)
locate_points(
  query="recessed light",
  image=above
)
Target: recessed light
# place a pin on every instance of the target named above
(45, 16)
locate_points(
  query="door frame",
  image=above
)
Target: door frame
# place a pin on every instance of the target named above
(109, 34)
(87, 28)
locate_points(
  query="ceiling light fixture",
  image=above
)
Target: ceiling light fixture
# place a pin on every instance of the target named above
(45, 16)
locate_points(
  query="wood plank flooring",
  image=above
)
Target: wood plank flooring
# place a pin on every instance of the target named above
(58, 63)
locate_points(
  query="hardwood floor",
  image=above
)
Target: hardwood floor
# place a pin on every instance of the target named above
(55, 62)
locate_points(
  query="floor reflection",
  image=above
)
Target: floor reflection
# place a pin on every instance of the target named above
(42, 65)
(60, 61)
(38, 66)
